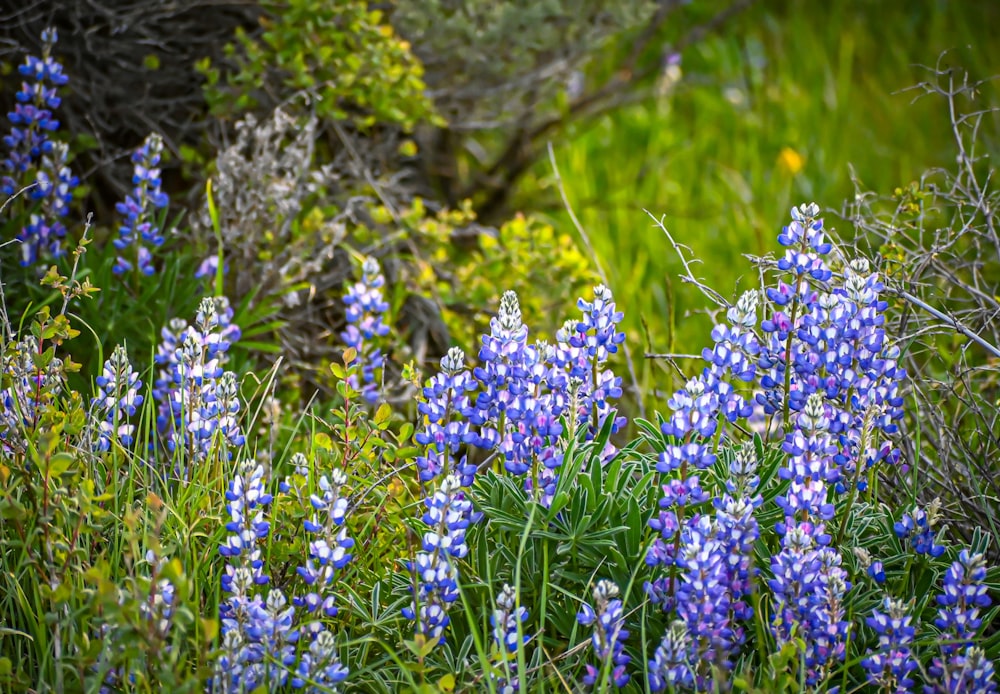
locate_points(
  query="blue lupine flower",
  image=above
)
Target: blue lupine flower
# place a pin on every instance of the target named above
(703, 591)
(892, 664)
(43, 233)
(507, 621)
(117, 400)
(809, 465)
(809, 586)
(969, 672)
(139, 210)
(917, 526)
(436, 575)
(208, 268)
(839, 349)
(738, 532)
(673, 665)
(500, 372)
(365, 328)
(445, 429)
(328, 550)
(33, 158)
(258, 636)
(522, 396)
(28, 388)
(877, 572)
(607, 617)
(32, 116)
(963, 601)
(583, 348)
(809, 583)
(320, 669)
(196, 398)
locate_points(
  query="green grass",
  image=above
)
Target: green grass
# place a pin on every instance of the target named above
(707, 157)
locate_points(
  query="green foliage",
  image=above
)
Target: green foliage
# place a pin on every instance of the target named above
(343, 54)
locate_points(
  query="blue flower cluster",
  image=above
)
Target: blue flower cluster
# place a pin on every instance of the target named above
(826, 336)
(445, 431)
(710, 594)
(260, 636)
(809, 584)
(449, 513)
(28, 388)
(117, 400)
(139, 209)
(328, 548)
(525, 388)
(607, 617)
(962, 667)
(365, 328)
(33, 159)
(510, 404)
(508, 621)
(917, 526)
(197, 400)
(823, 370)
(891, 666)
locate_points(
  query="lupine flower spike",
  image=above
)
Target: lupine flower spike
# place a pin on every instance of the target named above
(365, 329)
(116, 401)
(139, 210)
(962, 667)
(33, 159)
(607, 617)
(508, 621)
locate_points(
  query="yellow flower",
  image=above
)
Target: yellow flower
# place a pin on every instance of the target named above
(790, 161)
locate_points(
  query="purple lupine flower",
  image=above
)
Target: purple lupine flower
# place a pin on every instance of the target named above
(43, 234)
(968, 672)
(208, 267)
(583, 348)
(834, 328)
(445, 429)
(607, 617)
(28, 389)
(435, 573)
(258, 636)
(328, 550)
(508, 634)
(691, 424)
(522, 397)
(738, 532)
(365, 328)
(891, 665)
(117, 399)
(917, 526)
(319, 668)
(809, 465)
(139, 210)
(34, 158)
(500, 370)
(672, 666)
(963, 600)
(196, 399)
(703, 592)
(809, 586)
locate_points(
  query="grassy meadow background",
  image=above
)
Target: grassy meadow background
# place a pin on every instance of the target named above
(772, 111)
